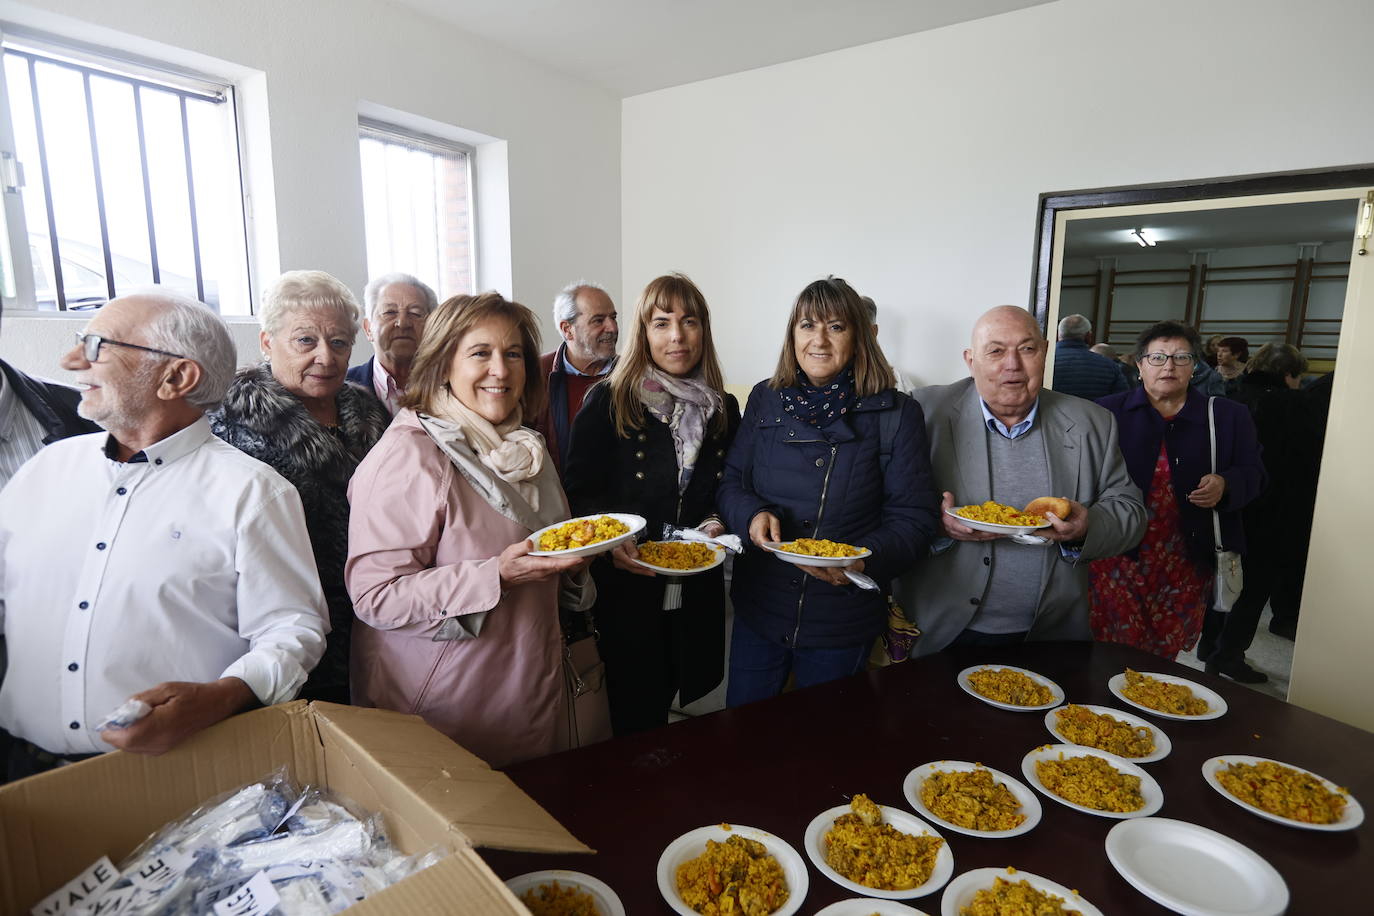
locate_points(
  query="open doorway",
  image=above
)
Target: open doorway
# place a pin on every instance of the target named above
(1257, 281)
(1252, 259)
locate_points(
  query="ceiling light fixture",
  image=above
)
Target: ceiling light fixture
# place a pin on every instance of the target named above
(1142, 238)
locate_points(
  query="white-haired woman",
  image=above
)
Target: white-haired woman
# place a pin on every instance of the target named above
(295, 412)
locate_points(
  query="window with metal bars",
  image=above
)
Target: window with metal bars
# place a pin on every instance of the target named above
(117, 174)
(417, 206)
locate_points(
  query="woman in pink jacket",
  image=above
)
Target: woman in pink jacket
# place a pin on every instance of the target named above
(457, 624)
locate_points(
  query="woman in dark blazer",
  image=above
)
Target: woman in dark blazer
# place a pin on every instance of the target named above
(651, 440)
(1155, 596)
(826, 449)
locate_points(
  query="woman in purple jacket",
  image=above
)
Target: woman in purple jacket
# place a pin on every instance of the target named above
(1155, 597)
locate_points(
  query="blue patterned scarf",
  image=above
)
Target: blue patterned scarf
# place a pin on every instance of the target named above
(820, 406)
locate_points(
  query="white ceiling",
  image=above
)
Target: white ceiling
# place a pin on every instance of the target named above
(634, 46)
(1234, 227)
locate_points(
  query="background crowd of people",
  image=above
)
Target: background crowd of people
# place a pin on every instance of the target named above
(377, 550)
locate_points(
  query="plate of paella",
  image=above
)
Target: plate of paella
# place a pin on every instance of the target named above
(995, 518)
(816, 552)
(680, 558)
(585, 536)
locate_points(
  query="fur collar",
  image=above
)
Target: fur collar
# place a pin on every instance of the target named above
(261, 417)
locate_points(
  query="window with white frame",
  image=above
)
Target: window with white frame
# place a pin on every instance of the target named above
(417, 206)
(117, 174)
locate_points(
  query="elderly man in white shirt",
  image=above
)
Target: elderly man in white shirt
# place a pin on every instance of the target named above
(153, 561)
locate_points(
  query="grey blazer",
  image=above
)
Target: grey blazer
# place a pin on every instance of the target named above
(944, 589)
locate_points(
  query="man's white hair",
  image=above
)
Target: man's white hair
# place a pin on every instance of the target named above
(188, 327)
(565, 303)
(373, 291)
(1074, 327)
(308, 290)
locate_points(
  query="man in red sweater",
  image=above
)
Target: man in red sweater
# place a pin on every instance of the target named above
(586, 319)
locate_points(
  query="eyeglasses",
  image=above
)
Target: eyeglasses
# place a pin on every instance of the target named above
(90, 345)
(1180, 359)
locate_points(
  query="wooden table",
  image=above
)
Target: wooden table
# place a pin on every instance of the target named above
(777, 764)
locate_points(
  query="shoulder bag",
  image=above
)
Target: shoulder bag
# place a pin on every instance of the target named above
(584, 679)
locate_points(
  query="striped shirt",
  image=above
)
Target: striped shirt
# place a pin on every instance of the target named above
(21, 435)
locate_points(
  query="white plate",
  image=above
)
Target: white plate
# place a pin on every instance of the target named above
(1162, 744)
(1351, 817)
(1149, 789)
(693, 843)
(993, 527)
(1030, 805)
(606, 900)
(962, 889)
(1193, 870)
(867, 906)
(799, 559)
(906, 823)
(1216, 706)
(720, 558)
(1056, 692)
(636, 523)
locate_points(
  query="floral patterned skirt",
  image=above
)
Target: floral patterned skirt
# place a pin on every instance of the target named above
(1154, 602)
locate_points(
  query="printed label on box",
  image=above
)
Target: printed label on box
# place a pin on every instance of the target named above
(114, 902)
(256, 898)
(157, 874)
(81, 891)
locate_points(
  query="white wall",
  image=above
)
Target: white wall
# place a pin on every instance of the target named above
(322, 60)
(912, 167)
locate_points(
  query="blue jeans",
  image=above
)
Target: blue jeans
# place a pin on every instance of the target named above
(759, 668)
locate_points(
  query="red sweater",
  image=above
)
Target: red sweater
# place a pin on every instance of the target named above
(566, 393)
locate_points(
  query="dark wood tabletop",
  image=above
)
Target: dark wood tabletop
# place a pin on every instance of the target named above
(775, 765)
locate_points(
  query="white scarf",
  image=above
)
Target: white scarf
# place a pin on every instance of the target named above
(513, 453)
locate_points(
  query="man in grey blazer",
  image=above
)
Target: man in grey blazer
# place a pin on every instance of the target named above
(998, 435)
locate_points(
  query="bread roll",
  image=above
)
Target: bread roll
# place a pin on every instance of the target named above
(1058, 505)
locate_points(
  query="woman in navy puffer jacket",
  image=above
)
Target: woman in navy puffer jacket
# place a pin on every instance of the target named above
(827, 448)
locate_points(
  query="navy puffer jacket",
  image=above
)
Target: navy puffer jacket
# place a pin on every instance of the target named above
(827, 483)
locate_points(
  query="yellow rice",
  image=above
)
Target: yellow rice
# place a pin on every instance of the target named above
(580, 532)
(1162, 695)
(677, 554)
(1284, 791)
(734, 878)
(1091, 782)
(1007, 898)
(1006, 686)
(866, 851)
(972, 800)
(997, 514)
(819, 547)
(1079, 725)
(559, 900)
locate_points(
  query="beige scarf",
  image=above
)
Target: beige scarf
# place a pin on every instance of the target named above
(513, 453)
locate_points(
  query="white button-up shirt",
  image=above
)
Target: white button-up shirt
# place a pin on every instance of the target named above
(117, 576)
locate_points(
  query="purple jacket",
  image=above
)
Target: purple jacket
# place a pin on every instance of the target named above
(1140, 428)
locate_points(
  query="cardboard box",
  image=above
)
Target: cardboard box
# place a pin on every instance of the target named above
(430, 791)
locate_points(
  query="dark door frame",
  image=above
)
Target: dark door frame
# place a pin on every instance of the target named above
(1053, 202)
